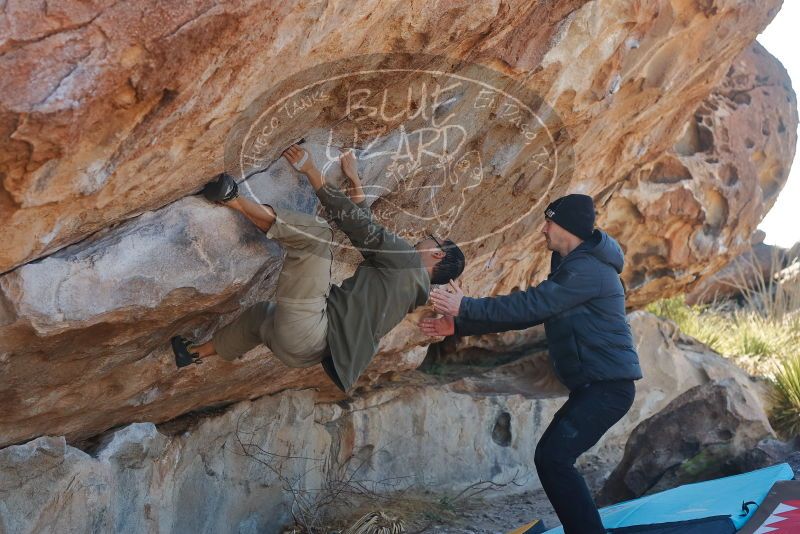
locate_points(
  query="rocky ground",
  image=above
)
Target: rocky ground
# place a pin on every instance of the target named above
(496, 514)
(499, 513)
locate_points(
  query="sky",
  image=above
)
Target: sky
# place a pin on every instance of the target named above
(782, 223)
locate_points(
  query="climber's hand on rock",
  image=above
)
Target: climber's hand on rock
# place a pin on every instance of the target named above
(438, 326)
(294, 154)
(349, 167)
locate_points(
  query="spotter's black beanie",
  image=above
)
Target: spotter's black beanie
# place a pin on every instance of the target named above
(574, 213)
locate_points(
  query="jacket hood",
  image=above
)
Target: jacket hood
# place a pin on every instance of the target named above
(602, 246)
(606, 249)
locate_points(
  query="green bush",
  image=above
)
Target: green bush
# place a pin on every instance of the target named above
(763, 340)
(694, 321)
(785, 417)
(755, 339)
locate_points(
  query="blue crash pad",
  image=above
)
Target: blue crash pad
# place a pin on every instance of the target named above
(722, 496)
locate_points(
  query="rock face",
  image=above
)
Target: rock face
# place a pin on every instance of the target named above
(695, 200)
(111, 112)
(753, 269)
(700, 435)
(770, 451)
(243, 469)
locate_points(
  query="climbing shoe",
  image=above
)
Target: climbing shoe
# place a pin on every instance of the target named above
(222, 189)
(183, 357)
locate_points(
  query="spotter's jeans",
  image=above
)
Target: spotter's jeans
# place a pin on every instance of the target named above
(580, 423)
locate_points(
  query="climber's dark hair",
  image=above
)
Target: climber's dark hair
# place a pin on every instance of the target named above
(451, 266)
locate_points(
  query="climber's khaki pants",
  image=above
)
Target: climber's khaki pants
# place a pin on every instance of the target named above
(295, 325)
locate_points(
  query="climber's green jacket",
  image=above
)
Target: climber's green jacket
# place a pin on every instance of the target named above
(388, 284)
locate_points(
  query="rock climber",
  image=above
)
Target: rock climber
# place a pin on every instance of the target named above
(582, 306)
(311, 320)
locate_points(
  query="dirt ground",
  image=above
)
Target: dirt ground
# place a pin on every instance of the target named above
(433, 514)
(496, 511)
(498, 514)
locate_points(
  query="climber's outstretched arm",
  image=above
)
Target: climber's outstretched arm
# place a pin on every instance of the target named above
(260, 215)
(355, 191)
(224, 190)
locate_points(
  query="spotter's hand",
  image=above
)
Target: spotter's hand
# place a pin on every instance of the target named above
(435, 327)
(294, 154)
(447, 299)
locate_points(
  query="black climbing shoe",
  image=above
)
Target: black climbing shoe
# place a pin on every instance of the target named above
(222, 189)
(180, 346)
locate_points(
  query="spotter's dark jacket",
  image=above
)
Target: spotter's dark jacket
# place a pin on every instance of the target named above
(582, 306)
